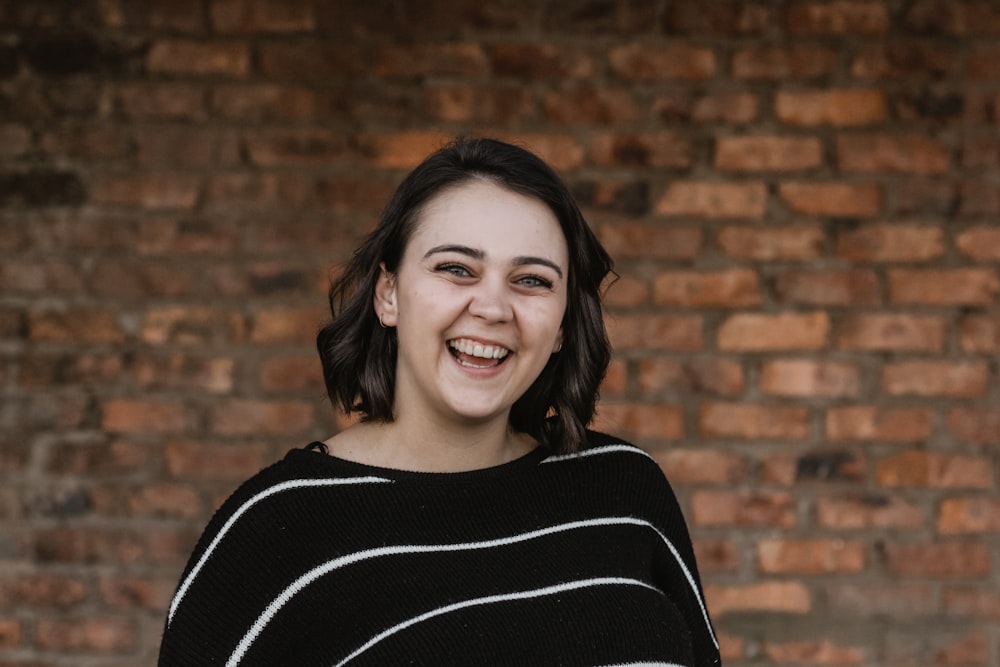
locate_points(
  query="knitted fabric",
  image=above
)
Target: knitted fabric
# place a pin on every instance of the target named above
(576, 560)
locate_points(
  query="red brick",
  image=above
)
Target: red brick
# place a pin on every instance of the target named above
(981, 151)
(127, 593)
(64, 369)
(399, 150)
(832, 287)
(615, 380)
(979, 197)
(819, 556)
(617, 18)
(188, 57)
(735, 108)
(965, 286)
(51, 591)
(701, 466)
(832, 199)
(969, 515)
(981, 244)
(653, 241)
(140, 280)
(770, 597)
(192, 326)
(540, 62)
(868, 512)
(934, 470)
(94, 634)
(786, 469)
(168, 100)
(110, 458)
(804, 378)
(592, 105)
(563, 152)
(15, 140)
(918, 60)
(174, 15)
(82, 141)
(824, 652)
(186, 147)
(308, 60)
(147, 415)
(972, 602)
(783, 331)
(777, 63)
(892, 600)
(713, 200)
(655, 332)
(727, 289)
(766, 244)
(935, 378)
(144, 190)
(731, 508)
(980, 425)
(767, 153)
(868, 422)
(838, 107)
(716, 555)
(285, 324)
(48, 411)
(661, 149)
(753, 422)
(714, 376)
(945, 648)
(209, 461)
(982, 63)
(887, 331)
(452, 59)
(881, 153)
(46, 277)
(639, 61)
(840, 17)
(882, 242)
(265, 102)
(296, 147)
(148, 500)
(291, 373)
(638, 421)
(11, 633)
(952, 18)
(79, 326)
(247, 417)
(503, 104)
(941, 559)
(257, 16)
(627, 290)
(723, 18)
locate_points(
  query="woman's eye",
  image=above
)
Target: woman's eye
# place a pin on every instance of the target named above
(535, 281)
(455, 270)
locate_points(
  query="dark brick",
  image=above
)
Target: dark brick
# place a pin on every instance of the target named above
(601, 17)
(630, 198)
(829, 466)
(927, 105)
(8, 62)
(41, 188)
(725, 18)
(61, 55)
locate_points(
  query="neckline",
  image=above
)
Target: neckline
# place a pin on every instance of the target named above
(319, 457)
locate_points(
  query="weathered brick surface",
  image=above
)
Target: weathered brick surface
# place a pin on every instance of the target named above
(801, 197)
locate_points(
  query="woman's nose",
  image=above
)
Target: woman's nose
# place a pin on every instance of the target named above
(491, 301)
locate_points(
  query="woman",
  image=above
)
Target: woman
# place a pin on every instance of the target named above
(468, 518)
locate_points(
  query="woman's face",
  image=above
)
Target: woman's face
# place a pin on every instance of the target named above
(477, 302)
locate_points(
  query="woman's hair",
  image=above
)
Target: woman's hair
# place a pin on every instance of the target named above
(359, 356)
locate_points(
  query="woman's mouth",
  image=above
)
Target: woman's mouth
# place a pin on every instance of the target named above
(476, 355)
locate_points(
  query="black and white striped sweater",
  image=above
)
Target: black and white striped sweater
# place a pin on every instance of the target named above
(547, 560)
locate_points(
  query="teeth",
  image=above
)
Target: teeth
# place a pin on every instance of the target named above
(474, 349)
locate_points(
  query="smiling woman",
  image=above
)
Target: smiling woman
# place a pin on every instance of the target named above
(469, 517)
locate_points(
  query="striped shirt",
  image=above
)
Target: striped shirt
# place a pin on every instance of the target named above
(582, 560)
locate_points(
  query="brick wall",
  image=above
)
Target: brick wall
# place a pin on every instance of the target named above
(802, 198)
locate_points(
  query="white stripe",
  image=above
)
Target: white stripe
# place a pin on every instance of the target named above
(266, 493)
(312, 575)
(644, 664)
(605, 449)
(491, 599)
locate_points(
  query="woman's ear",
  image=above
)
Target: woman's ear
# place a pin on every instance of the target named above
(385, 297)
(559, 341)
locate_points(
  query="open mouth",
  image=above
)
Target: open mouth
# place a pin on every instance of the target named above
(476, 355)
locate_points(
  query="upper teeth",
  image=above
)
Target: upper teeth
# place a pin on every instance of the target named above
(475, 349)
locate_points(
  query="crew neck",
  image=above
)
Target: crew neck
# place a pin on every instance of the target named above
(314, 454)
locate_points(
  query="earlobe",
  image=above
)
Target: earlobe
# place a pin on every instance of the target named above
(385, 297)
(559, 341)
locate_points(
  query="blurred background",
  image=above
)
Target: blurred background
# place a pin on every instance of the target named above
(802, 197)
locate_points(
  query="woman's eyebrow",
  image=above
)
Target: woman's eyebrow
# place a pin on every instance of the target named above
(475, 253)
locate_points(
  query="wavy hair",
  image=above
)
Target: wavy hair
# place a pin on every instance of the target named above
(359, 356)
